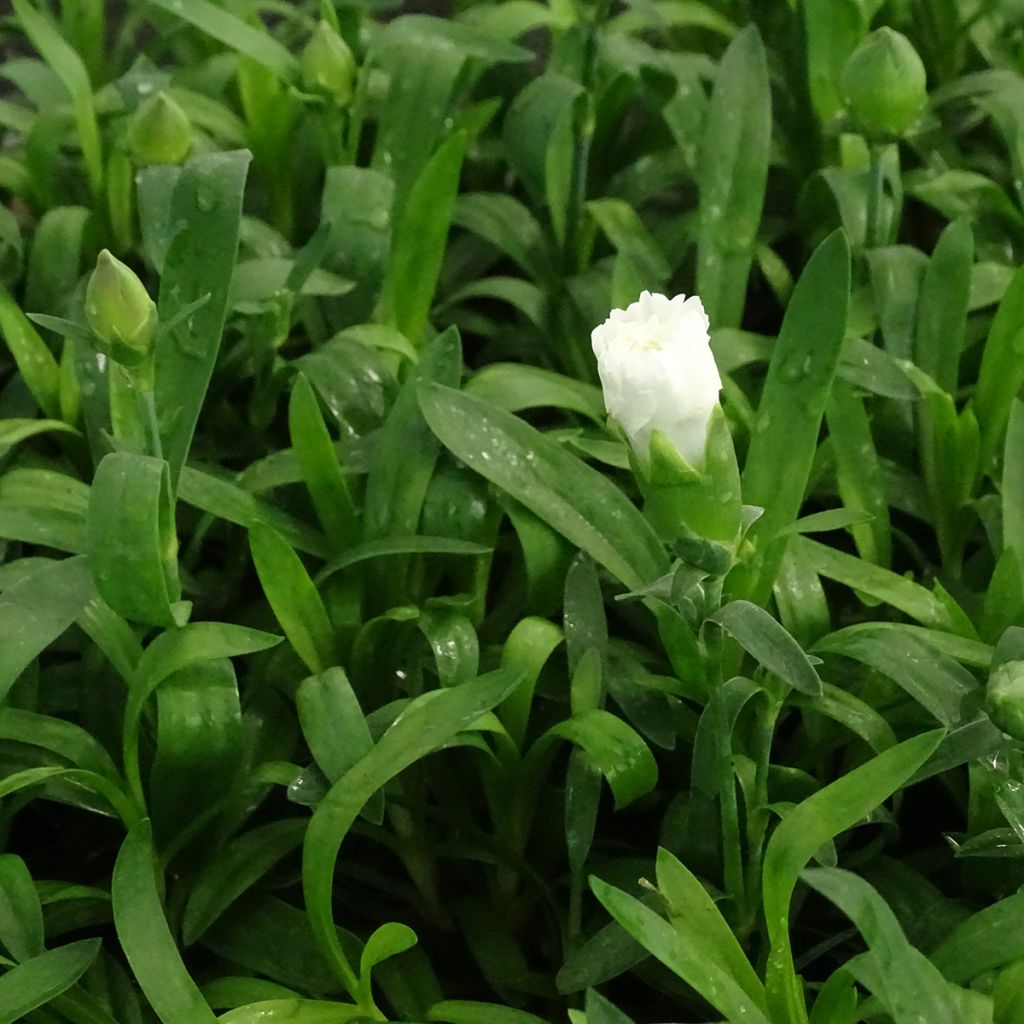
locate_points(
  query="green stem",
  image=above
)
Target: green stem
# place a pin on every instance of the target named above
(876, 185)
(146, 402)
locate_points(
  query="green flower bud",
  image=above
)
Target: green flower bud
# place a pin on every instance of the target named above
(119, 311)
(328, 66)
(159, 132)
(1004, 698)
(884, 85)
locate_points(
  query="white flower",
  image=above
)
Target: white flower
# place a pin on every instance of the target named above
(658, 372)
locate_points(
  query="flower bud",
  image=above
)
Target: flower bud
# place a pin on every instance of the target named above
(159, 132)
(1004, 698)
(328, 66)
(884, 85)
(119, 311)
(658, 372)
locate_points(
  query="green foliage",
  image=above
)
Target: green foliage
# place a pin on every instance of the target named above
(352, 665)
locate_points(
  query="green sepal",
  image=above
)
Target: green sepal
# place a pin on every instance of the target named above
(685, 502)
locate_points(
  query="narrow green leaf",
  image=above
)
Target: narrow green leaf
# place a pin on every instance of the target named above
(614, 748)
(803, 831)
(420, 238)
(426, 724)
(1013, 485)
(235, 869)
(732, 174)
(294, 599)
(795, 394)
(133, 545)
(32, 356)
(696, 917)
(21, 916)
(145, 937)
(911, 988)
(234, 33)
(691, 961)
(942, 306)
(38, 609)
(321, 471)
(35, 982)
(72, 72)
(199, 747)
(1002, 370)
(206, 210)
(769, 643)
(577, 501)
(227, 500)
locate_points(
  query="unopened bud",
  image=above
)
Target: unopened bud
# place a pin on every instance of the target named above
(328, 66)
(160, 132)
(884, 85)
(1004, 698)
(119, 311)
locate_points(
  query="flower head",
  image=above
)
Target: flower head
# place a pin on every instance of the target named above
(119, 310)
(658, 372)
(328, 66)
(159, 132)
(884, 84)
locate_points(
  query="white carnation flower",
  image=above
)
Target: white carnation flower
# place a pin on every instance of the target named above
(658, 373)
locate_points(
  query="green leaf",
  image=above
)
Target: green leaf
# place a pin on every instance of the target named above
(198, 749)
(575, 500)
(906, 595)
(35, 982)
(206, 210)
(859, 473)
(21, 916)
(614, 748)
(909, 987)
(420, 237)
(36, 610)
(334, 726)
(932, 678)
(294, 599)
(235, 869)
(426, 724)
(293, 1011)
(513, 386)
(35, 362)
(1013, 486)
(691, 961)
(699, 922)
(991, 938)
(400, 475)
(145, 937)
(535, 123)
(1002, 370)
(795, 394)
(388, 940)
(942, 306)
(769, 643)
(318, 461)
(732, 174)
(802, 832)
(833, 28)
(229, 501)
(133, 546)
(392, 546)
(234, 33)
(14, 431)
(462, 1011)
(72, 72)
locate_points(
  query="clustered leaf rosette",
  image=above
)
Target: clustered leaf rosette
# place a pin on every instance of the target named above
(661, 386)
